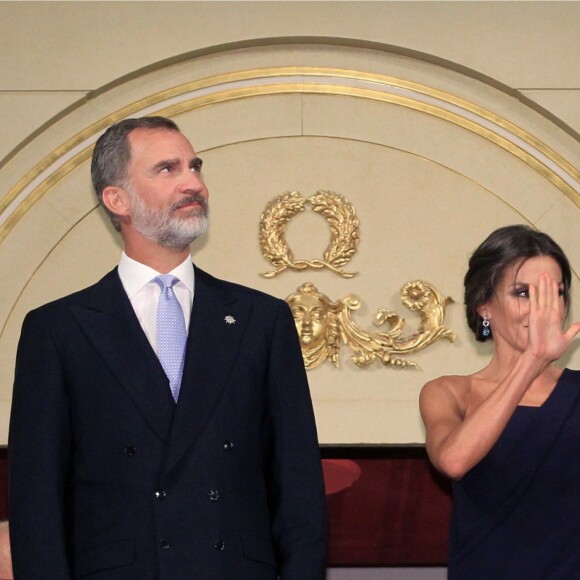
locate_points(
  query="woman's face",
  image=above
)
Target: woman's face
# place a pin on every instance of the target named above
(509, 309)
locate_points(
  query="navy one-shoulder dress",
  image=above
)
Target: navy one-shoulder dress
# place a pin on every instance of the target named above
(516, 515)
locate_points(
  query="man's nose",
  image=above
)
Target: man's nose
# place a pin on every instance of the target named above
(192, 181)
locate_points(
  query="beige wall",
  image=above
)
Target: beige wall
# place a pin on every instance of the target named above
(438, 121)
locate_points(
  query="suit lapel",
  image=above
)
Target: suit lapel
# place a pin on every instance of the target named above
(218, 321)
(109, 322)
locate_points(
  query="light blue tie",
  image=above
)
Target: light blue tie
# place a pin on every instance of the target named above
(171, 332)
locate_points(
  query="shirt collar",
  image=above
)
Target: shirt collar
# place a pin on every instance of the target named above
(134, 275)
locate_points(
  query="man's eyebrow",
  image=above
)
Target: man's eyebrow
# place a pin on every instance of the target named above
(165, 163)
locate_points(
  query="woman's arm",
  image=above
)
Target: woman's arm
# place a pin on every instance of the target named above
(456, 442)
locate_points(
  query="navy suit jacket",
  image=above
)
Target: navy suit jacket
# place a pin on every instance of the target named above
(110, 479)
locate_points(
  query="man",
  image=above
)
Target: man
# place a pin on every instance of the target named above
(129, 462)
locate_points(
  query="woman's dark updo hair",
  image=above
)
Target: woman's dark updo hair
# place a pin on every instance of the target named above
(503, 248)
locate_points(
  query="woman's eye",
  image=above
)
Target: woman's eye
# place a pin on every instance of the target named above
(522, 293)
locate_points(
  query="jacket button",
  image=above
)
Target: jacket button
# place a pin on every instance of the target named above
(164, 544)
(130, 450)
(213, 495)
(220, 546)
(228, 445)
(160, 494)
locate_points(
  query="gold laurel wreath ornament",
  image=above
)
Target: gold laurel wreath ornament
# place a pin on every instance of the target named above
(336, 210)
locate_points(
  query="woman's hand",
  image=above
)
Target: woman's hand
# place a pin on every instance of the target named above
(546, 338)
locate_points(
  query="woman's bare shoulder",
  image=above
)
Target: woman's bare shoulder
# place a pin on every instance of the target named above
(448, 383)
(451, 388)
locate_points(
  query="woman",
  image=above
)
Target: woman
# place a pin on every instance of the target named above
(509, 434)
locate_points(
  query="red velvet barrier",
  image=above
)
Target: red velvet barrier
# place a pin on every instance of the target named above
(387, 506)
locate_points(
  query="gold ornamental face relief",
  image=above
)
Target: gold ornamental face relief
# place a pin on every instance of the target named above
(342, 221)
(323, 324)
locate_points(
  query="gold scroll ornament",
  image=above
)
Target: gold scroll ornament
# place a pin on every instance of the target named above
(336, 210)
(322, 324)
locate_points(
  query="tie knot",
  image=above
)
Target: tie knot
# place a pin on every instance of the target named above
(166, 281)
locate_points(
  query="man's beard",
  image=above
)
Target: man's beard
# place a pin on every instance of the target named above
(164, 227)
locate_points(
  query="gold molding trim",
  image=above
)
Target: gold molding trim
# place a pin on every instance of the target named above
(322, 324)
(440, 104)
(338, 212)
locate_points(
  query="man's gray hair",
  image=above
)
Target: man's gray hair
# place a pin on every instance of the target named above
(112, 154)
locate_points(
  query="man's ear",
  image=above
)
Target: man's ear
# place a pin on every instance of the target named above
(116, 200)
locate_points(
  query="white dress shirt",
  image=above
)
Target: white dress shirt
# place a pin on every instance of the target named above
(137, 280)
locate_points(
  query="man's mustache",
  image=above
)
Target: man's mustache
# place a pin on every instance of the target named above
(197, 198)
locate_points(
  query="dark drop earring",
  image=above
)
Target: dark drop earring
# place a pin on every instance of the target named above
(485, 331)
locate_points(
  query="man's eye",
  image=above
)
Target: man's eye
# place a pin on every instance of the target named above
(165, 169)
(196, 165)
